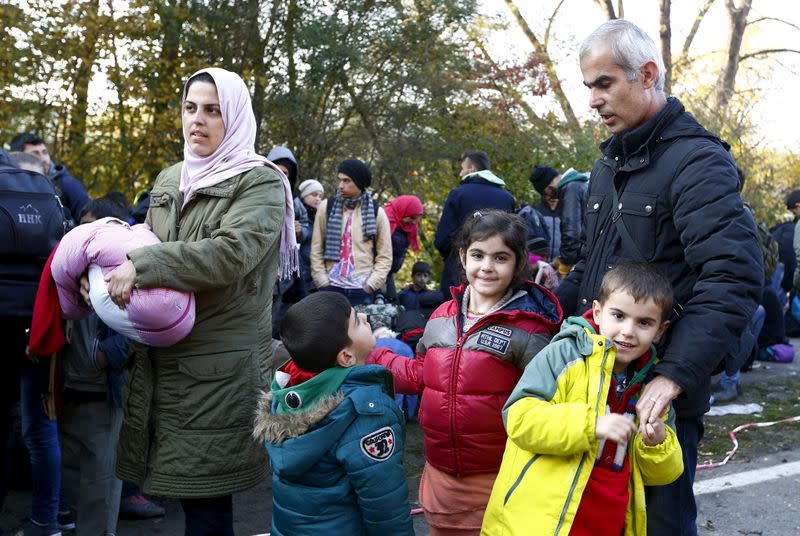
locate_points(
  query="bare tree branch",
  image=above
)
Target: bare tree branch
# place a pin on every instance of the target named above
(765, 52)
(665, 32)
(608, 7)
(550, 24)
(620, 9)
(695, 26)
(548, 65)
(775, 19)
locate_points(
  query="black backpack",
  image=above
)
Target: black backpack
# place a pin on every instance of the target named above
(32, 221)
(538, 237)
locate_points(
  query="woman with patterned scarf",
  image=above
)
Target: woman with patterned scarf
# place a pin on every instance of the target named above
(351, 248)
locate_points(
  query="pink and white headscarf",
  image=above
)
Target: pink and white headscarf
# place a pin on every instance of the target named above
(236, 154)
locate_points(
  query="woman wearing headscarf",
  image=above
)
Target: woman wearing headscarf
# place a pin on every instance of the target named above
(404, 213)
(226, 221)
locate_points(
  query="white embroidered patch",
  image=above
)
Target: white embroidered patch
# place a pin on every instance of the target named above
(378, 445)
(506, 332)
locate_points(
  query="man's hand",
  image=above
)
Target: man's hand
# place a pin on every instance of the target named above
(298, 229)
(654, 433)
(120, 283)
(615, 427)
(368, 289)
(654, 401)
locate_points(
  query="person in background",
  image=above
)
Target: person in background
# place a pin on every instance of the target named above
(70, 189)
(404, 213)
(478, 189)
(311, 194)
(544, 180)
(288, 291)
(417, 296)
(351, 246)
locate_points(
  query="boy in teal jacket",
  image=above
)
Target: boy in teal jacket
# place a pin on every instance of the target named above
(334, 434)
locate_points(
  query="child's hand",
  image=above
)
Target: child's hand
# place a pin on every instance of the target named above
(654, 433)
(615, 427)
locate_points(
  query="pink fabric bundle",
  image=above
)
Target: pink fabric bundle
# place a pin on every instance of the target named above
(156, 317)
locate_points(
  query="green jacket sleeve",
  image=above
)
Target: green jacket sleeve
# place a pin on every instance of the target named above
(246, 231)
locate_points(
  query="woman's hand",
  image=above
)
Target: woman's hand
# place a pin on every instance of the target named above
(120, 283)
(85, 290)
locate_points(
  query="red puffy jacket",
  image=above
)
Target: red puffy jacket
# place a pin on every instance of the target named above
(465, 378)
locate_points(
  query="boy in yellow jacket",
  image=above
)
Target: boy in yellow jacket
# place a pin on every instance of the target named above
(575, 463)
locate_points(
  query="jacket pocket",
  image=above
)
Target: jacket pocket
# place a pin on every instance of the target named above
(161, 218)
(593, 207)
(638, 214)
(217, 390)
(521, 476)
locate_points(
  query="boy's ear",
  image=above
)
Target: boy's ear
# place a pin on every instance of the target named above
(596, 309)
(661, 330)
(345, 358)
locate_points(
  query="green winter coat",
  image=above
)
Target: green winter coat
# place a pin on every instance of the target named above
(189, 408)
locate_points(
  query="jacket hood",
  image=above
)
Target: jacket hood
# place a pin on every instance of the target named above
(296, 441)
(486, 175)
(530, 300)
(571, 175)
(284, 153)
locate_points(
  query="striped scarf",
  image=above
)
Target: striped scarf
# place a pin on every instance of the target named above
(333, 235)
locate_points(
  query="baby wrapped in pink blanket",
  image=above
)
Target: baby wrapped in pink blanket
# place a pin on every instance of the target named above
(156, 316)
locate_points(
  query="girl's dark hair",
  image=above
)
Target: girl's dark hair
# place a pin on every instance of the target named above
(511, 228)
(104, 207)
(199, 77)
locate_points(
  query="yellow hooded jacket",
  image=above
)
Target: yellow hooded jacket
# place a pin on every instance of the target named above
(550, 419)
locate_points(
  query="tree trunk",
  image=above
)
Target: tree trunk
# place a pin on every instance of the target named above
(665, 32)
(76, 133)
(608, 7)
(738, 24)
(549, 66)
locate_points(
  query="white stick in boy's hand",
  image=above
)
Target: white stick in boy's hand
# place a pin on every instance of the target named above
(615, 427)
(654, 433)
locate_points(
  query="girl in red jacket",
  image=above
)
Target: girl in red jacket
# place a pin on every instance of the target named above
(473, 352)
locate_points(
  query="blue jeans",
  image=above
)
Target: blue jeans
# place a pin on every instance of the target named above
(41, 437)
(671, 509)
(355, 296)
(747, 346)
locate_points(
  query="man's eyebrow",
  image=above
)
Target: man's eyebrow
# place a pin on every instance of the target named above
(602, 79)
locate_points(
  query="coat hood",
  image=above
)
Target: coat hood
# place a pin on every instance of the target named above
(571, 175)
(486, 175)
(284, 153)
(296, 441)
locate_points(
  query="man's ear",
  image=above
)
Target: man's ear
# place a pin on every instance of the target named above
(661, 330)
(649, 74)
(345, 358)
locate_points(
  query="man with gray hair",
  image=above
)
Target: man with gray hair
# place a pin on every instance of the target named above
(665, 191)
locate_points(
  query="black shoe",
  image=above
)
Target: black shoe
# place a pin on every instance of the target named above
(66, 520)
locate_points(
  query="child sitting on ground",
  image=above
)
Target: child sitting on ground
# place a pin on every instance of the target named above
(571, 416)
(334, 434)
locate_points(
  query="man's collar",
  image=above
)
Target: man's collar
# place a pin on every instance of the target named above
(631, 142)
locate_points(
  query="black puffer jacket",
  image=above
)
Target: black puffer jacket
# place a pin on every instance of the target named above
(679, 199)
